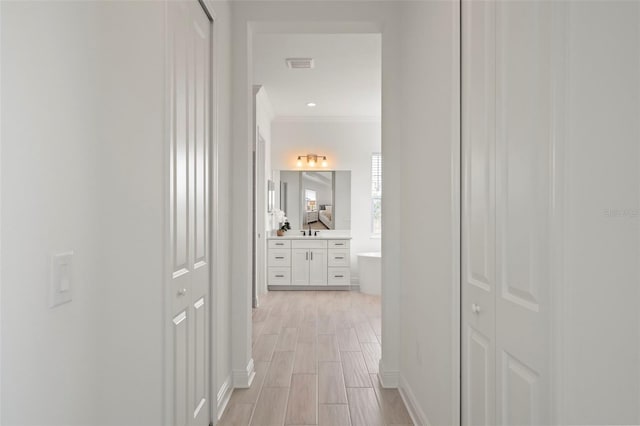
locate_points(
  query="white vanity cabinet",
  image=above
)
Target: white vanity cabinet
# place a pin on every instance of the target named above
(309, 262)
(312, 262)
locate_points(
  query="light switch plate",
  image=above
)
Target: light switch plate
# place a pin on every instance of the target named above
(61, 286)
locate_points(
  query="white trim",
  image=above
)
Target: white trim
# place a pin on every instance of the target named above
(456, 141)
(560, 65)
(214, 207)
(224, 395)
(328, 119)
(388, 379)
(167, 361)
(418, 417)
(242, 379)
(0, 215)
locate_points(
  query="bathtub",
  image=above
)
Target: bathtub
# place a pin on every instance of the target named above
(370, 272)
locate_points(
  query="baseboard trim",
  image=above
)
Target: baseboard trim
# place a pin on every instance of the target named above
(224, 394)
(388, 379)
(242, 379)
(417, 415)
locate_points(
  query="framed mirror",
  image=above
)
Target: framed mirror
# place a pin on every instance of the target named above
(318, 200)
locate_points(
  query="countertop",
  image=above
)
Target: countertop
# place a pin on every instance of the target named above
(322, 235)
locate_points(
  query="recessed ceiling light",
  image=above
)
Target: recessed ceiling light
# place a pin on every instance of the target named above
(311, 104)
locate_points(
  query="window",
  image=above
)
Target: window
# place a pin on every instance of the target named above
(310, 200)
(376, 193)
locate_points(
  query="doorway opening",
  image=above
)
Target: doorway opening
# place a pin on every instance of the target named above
(318, 177)
(317, 159)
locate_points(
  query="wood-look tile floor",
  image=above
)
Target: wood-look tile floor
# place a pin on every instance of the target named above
(316, 356)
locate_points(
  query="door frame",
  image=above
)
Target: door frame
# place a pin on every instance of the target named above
(214, 208)
(0, 216)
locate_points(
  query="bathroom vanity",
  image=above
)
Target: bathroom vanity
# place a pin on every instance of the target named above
(301, 262)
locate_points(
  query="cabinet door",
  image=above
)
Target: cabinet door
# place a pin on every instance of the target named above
(318, 267)
(300, 267)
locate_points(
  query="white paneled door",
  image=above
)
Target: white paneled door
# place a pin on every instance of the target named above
(507, 180)
(478, 258)
(190, 132)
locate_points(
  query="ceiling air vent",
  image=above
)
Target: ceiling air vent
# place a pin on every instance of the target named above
(299, 63)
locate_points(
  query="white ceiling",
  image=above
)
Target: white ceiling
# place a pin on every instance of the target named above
(345, 82)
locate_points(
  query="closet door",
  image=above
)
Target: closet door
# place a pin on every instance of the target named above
(507, 155)
(478, 213)
(189, 102)
(524, 111)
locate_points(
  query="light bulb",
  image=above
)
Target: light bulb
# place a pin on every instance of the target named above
(312, 163)
(299, 163)
(324, 161)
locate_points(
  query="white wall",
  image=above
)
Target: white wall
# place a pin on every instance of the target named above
(83, 169)
(222, 182)
(50, 196)
(263, 117)
(429, 297)
(292, 208)
(348, 145)
(130, 206)
(600, 319)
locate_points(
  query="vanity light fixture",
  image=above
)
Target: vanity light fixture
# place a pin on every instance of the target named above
(312, 160)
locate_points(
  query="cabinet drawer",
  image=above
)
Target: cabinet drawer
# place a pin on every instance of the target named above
(339, 276)
(309, 244)
(279, 243)
(279, 276)
(339, 244)
(279, 257)
(338, 258)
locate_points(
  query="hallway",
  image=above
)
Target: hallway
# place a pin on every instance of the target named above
(316, 356)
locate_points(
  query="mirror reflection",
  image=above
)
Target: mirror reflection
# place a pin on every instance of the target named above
(316, 200)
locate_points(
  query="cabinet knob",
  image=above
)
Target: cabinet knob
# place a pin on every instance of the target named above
(182, 292)
(475, 308)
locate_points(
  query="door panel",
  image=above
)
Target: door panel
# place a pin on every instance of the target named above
(520, 393)
(189, 102)
(479, 378)
(200, 126)
(506, 151)
(200, 361)
(478, 214)
(318, 267)
(299, 267)
(523, 146)
(181, 368)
